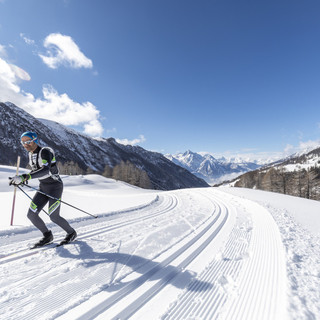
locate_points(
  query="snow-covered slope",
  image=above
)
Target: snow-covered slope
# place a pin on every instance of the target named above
(305, 159)
(76, 150)
(212, 170)
(188, 254)
(297, 175)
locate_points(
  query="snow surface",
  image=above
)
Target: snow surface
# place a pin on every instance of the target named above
(211, 253)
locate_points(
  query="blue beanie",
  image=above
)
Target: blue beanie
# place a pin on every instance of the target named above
(31, 135)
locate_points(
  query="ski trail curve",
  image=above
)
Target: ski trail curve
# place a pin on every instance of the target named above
(165, 204)
(262, 284)
(193, 254)
(249, 278)
(143, 289)
(57, 280)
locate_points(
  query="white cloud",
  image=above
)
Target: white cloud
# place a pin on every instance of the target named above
(308, 145)
(10, 75)
(249, 155)
(304, 146)
(93, 128)
(262, 157)
(61, 108)
(27, 40)
(52, 106)
(3, 52)
(62, 50)
(133, 142)
(20, 73)
(289, 149)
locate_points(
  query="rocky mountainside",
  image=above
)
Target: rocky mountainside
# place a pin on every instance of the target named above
(297, 175)
(212, 170)
(88, 154)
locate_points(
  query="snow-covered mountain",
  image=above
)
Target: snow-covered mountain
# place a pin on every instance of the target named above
(304, 159)
(212, 170)
(88, 154)
(297, 175)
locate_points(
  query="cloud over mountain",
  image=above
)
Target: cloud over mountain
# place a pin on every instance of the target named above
(62, 50)
(52, 105)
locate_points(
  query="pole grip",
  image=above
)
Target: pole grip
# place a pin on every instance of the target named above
(15, 192)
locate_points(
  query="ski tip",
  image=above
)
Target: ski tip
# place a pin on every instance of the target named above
(39, 246)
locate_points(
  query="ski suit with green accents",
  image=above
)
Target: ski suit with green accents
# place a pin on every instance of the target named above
(44, 167)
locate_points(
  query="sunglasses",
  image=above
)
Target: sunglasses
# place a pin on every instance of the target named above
(27, 142)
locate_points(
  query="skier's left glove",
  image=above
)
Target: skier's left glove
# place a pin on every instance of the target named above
(17, 180)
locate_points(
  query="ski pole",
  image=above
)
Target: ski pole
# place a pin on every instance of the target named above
(14, 192)
(70, 205)
(31, 198)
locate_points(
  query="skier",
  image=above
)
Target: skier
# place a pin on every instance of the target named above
(43, 166)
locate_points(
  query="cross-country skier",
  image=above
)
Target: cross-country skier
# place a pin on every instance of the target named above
(43, 166)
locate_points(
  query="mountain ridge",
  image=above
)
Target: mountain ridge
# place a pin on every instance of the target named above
(212, 170)
(86, 152)
(296, 175)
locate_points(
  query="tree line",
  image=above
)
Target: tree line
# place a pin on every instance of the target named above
(303, 182)
(124, 171)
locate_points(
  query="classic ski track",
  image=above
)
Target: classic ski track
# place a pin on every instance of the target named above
(167, 203)
(245, 279)
(60, 278)
(105, 217)
(259, 293)
(198, 303)
(168, 206)
(172, 202)
(146, 289)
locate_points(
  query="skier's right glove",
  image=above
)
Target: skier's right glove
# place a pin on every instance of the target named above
(17, 180)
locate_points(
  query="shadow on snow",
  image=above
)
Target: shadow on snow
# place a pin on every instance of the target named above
(149, 269)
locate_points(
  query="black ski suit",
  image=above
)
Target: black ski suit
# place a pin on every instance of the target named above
(44, 167)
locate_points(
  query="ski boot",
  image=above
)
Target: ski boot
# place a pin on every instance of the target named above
(69, 238)
(47, 238)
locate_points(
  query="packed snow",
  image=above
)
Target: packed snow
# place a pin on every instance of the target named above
(211, 253)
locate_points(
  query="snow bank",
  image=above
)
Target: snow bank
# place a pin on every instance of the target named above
(92, 193)
(306, 212)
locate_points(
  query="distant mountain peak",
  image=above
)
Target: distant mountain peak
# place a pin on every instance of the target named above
(210, 169)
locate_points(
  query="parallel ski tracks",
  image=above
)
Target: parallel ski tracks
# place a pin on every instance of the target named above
(204, 304)
(243, 283)
(166, 204)
(178, 259)
(247, 280)
(141, 290)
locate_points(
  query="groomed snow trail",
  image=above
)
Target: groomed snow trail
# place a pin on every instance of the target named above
(249, 277)
(190, 254)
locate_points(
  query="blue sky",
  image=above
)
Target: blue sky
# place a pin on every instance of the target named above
(228, 77)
